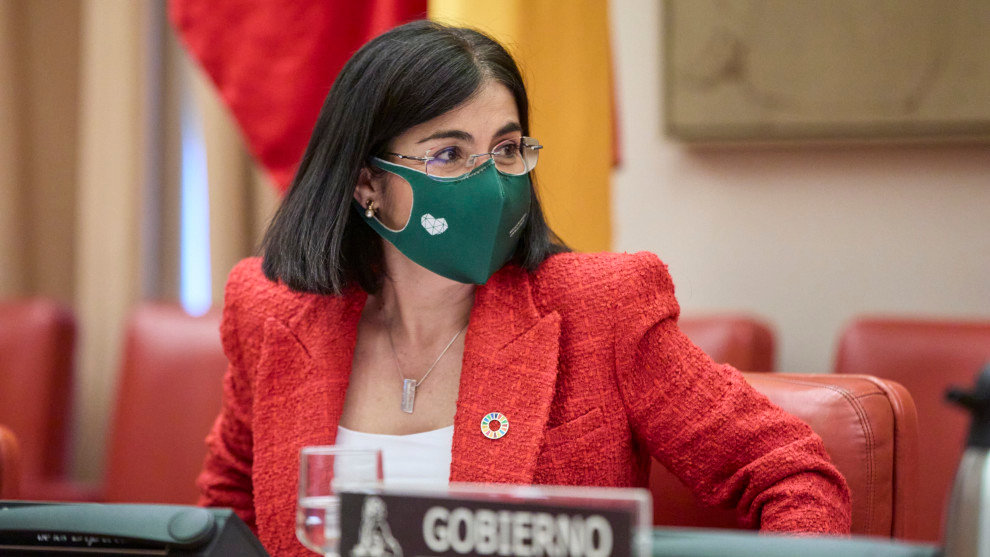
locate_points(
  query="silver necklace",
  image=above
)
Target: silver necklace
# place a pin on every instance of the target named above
(409, 386)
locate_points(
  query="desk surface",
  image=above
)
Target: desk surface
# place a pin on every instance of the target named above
(710, 543)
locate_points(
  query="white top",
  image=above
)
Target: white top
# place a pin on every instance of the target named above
(418, 459)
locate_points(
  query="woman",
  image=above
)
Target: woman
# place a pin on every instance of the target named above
(410, 288)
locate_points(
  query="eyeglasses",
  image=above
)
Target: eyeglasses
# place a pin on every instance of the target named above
(512, 156)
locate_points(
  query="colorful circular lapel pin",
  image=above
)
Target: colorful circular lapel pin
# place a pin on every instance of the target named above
(494, 425)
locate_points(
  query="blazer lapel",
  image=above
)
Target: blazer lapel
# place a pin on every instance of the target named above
(326, 331)
(302, 376)
(510, 366)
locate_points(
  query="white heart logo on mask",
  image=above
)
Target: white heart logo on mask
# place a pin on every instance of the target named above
(433, 225)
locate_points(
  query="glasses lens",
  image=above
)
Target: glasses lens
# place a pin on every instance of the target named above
(530, 152)
(516, 156)
(446, 162)
(507, 157)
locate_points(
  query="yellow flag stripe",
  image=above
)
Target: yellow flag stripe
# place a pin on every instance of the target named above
(562, 49)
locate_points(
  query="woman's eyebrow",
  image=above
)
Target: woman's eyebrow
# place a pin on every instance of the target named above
(448, 134)
(465, 136)
(508, 128)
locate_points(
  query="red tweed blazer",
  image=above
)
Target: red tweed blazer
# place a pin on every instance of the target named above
(583, 357)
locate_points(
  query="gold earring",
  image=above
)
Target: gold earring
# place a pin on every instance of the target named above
(370, 211)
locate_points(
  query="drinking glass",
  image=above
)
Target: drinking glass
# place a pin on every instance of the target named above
(324, 471)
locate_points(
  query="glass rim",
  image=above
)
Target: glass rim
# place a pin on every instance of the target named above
(323, 450)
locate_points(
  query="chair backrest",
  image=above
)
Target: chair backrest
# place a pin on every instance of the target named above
(10, 456)
(744, 342)
(926, 356)
(168, 397)
(37, 339)
(869, 427)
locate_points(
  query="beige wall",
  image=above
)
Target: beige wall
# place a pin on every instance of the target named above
(89, 178)
(806, 236)
(39, 86)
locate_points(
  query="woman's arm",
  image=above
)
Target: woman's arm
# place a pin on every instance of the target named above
(703, 421)
(226, 477)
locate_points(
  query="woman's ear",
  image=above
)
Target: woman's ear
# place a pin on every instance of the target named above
(368, 188)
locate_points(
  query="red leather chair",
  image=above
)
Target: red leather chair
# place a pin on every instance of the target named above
(168, 397)
(743, 342)
(869, 427)
(9, 464)
(37, 339)
(926, 356)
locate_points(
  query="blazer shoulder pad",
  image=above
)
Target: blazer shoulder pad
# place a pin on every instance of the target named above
(250, 291)
(606, 281)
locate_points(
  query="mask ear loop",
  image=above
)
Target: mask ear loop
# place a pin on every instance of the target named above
(372, 212)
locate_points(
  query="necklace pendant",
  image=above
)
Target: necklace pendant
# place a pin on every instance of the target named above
(408, 395)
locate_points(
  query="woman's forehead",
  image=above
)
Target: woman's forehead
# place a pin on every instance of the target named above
(489, 112)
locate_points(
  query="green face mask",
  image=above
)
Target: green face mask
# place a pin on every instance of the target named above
(462, 228)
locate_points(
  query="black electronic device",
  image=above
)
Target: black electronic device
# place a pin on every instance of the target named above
(68, 529)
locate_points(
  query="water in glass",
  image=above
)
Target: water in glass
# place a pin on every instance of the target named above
(323, 472)
(318, 523)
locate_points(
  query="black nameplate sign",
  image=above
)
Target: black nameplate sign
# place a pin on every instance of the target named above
(372, 525)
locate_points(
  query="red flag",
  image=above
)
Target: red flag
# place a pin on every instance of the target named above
(274, 62)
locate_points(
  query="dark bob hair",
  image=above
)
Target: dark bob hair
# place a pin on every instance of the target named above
(413, 73)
